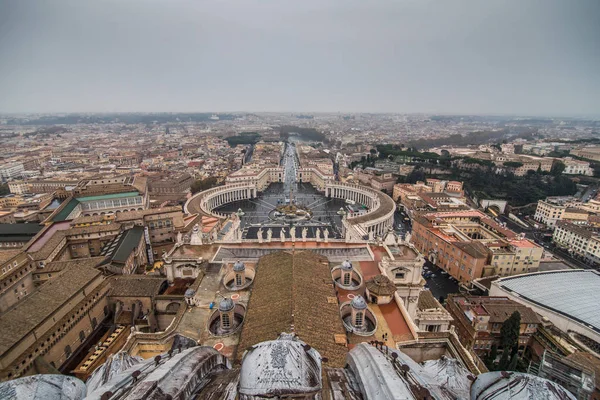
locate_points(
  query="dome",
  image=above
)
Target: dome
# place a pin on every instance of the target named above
(239, 266)
(381, 285)
(285, 366)
(347, 265)
(226, 304)
(494, 385)
(359, 303)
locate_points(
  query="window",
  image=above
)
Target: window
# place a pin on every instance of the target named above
(347, 279)
(238, 279)
(399, 275)
(359, 319)
(81, 336)
(225, 321)
(68, 351)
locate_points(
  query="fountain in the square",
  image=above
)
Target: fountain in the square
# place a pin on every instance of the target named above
(291, 212)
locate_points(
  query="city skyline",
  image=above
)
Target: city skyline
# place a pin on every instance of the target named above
(530, 58)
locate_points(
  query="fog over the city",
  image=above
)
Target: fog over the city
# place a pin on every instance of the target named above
(500, 57)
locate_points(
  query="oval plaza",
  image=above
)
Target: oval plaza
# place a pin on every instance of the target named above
(280, 201)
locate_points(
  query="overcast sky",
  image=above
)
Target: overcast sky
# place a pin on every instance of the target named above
(448, 56)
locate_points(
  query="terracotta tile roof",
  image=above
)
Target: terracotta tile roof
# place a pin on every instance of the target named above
(6, 255)
(41, 305)
(427, 301)
(56, 266)
(135, 285)
(381, 285)
(290, 294)
(501, 312)
(474, 249)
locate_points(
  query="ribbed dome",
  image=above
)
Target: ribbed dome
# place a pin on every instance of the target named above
(359, 303)
(239, 266)
(226, 304)
(347, 265)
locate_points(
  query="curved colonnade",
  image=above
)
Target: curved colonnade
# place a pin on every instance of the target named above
(380, 215)
(375, 222)
(205, 202)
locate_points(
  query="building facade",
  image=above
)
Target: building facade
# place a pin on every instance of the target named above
(469, 245)
(478, 321)
(581, 241)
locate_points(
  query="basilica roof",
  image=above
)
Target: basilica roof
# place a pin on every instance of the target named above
(500, 385)
(292, 293)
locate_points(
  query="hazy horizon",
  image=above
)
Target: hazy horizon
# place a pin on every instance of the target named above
(497, 58)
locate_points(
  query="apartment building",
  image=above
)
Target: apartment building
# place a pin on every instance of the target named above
(53, 322)
(552, 209)
(170, 183)
(478, 321)
(16, 281)
(11, 170)
(19, 187)
(469, 245)
(589, 152)
(384, 182)
(577, 167)
(580, 240)
(403, 190)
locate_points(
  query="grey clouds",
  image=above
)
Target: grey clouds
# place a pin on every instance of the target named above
(525, 57)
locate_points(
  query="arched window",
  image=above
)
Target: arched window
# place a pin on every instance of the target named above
(347, 277)
(359, 319)
(238, 279)
(81, 336)
(225, 321)
(68, 351)
(105, 310)
(94, 323)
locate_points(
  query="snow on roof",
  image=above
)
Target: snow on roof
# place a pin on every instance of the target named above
(376, 377)
(500, 385)
(283, 366)
(43, 387)
(451, 375)
(115, 364)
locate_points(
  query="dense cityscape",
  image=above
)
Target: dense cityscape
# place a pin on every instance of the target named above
(382, 241)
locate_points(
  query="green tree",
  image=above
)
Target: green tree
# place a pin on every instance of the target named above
(491, 358)
(4, 189)
(513, 363)
(509, 338)
(557, 168)
(415, 175)
(203, 184)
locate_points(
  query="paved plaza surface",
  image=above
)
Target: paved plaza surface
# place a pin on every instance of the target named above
(258, 212)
